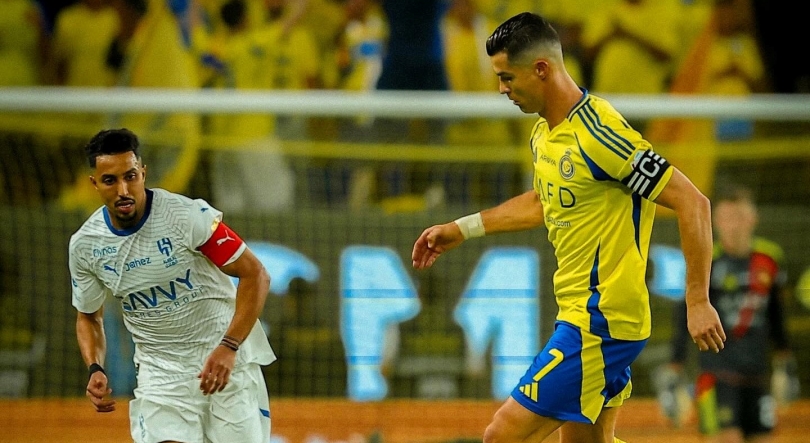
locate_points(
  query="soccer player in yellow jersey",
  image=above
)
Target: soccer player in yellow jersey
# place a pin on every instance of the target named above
(596, 183)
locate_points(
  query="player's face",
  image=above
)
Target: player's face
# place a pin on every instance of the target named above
(120, 181)
(735, 223)
(521, 83)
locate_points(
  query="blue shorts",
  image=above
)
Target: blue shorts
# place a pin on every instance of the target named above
(577, 374)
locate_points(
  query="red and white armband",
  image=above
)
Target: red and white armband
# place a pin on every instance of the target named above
(223, 247)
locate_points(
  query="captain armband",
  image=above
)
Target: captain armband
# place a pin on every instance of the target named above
(648, 170)
(471, 225)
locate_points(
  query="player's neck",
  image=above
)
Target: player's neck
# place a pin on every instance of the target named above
(563, 95)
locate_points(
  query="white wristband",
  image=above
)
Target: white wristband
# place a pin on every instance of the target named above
(471, 225)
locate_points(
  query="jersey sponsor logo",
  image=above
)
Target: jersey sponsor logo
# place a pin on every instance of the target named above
(137, 263)
(548, 160)
(567, 166)
(549, 192)
(111, 269)
(105, 251)
(164, 297)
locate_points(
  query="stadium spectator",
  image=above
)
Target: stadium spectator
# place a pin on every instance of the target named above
(723, 60)
(149, 52)
(631, 46)
(78, 57)
(23, 43)
(732, 391)
(199, 343)
(597, 201)
(254, 176)
(469, 70)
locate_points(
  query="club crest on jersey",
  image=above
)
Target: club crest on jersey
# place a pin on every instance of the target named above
(165, 247)
(567, 166)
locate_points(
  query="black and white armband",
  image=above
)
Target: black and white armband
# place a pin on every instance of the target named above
(648, 170)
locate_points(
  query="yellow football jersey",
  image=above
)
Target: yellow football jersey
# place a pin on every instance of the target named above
(596, 177)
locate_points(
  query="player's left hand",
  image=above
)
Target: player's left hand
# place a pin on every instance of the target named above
(217, 370)
(705, 327)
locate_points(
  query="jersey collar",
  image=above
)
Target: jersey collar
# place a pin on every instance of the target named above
(580, 103)
(134, 229)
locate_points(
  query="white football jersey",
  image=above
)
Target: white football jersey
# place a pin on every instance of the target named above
(176, 303)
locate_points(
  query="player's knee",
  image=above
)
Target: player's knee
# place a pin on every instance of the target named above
(495, 434)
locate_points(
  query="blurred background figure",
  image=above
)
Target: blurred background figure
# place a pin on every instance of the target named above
(23, 43)
(78, 57)
(469, 70)
(149, 52)
(723, 59)
(631, 45)
(251, 175)
(735, 398)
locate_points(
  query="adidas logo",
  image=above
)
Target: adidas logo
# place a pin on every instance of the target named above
(530, 390)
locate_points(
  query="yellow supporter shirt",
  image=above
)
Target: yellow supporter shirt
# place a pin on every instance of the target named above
(245, 65)
(587, 174)
(19, 40)
(85, 53)
(291, 60)
(469, 70)
(623, 66)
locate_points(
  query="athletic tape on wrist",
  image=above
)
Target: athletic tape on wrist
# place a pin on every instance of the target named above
(471, 225)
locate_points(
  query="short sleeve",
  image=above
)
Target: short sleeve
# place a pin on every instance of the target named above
(203, 220)
(618, 152)
(88, 293)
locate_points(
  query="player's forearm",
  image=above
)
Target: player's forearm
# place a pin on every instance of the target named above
(516, 214)
(91, 338)
(251, 293)
(694, 225)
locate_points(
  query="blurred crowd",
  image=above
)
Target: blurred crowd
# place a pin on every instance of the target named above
(611, 46)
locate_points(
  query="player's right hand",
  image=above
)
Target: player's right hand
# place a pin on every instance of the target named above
(98, 392)
(433, 242)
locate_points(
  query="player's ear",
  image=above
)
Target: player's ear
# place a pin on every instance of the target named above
(93, 181)
(541, 68)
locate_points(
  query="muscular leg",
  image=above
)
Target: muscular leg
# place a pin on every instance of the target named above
(513, 423)
(601, 431)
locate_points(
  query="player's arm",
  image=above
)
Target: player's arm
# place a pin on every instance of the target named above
(251, 293)
(227, 250)
(516, 214)
(693, 212)
(93, 347)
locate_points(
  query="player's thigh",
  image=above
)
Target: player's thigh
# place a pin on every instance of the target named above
(168, 413)
(241, 412)
(514, 423)
(601, 431)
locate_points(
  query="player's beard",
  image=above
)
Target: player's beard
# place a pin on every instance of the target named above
(126, 219)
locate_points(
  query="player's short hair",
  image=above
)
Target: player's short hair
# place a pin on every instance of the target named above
(111, 141)
(733, 193)
(521, 33)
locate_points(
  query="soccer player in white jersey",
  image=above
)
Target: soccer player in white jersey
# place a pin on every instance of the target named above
(168, 260)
